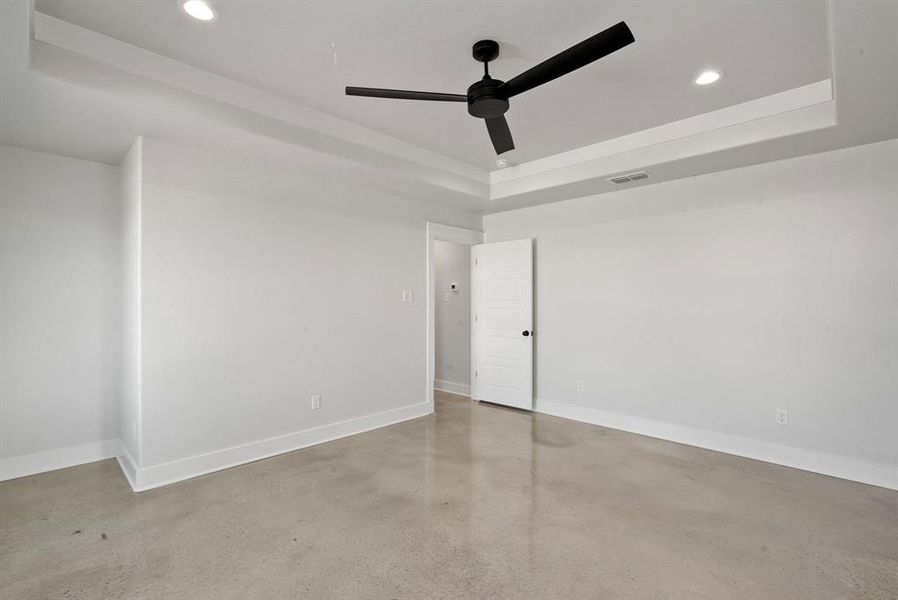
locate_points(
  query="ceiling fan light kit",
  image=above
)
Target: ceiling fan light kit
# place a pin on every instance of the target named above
(487, 99)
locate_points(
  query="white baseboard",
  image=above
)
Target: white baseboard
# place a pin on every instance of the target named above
(881, 475)
(453, 388)
(128, 466)
(60, 458)
(145, 478)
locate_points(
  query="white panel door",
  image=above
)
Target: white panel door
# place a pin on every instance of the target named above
(502, 331)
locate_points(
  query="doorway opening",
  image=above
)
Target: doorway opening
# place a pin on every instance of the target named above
(452, 317)
(496, 324)
(449, 309)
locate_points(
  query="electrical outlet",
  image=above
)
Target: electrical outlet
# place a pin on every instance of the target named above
(580, 386)
(782, 416)
(447, 297)
(316, 401)
(407, 296)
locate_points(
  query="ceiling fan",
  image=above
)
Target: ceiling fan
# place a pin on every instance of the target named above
(488, 98)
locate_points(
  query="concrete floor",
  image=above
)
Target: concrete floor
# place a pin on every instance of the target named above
(476, 502)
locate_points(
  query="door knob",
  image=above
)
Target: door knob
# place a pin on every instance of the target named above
(525, 333)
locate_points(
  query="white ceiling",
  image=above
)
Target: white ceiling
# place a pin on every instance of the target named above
(308, 51)
(68, 90)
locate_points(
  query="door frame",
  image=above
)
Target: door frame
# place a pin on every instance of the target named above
(455, 235)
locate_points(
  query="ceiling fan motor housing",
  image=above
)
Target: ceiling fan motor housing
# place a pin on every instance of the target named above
(484, 100)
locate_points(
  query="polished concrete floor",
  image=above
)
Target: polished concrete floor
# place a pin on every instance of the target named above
(476, 502)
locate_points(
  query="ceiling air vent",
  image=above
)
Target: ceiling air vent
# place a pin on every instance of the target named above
(628, 178)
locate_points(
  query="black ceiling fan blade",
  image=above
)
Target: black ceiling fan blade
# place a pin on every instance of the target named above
(601, 44)
(500, 134)
(404, 94)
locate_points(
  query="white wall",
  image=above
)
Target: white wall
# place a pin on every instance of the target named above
(452, 317)
(131, 185)
(694, 309)
(59, 311)
(260, 287)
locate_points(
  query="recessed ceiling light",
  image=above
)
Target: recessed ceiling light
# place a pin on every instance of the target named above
(707, 77)
(199, 9)
(502, 162)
